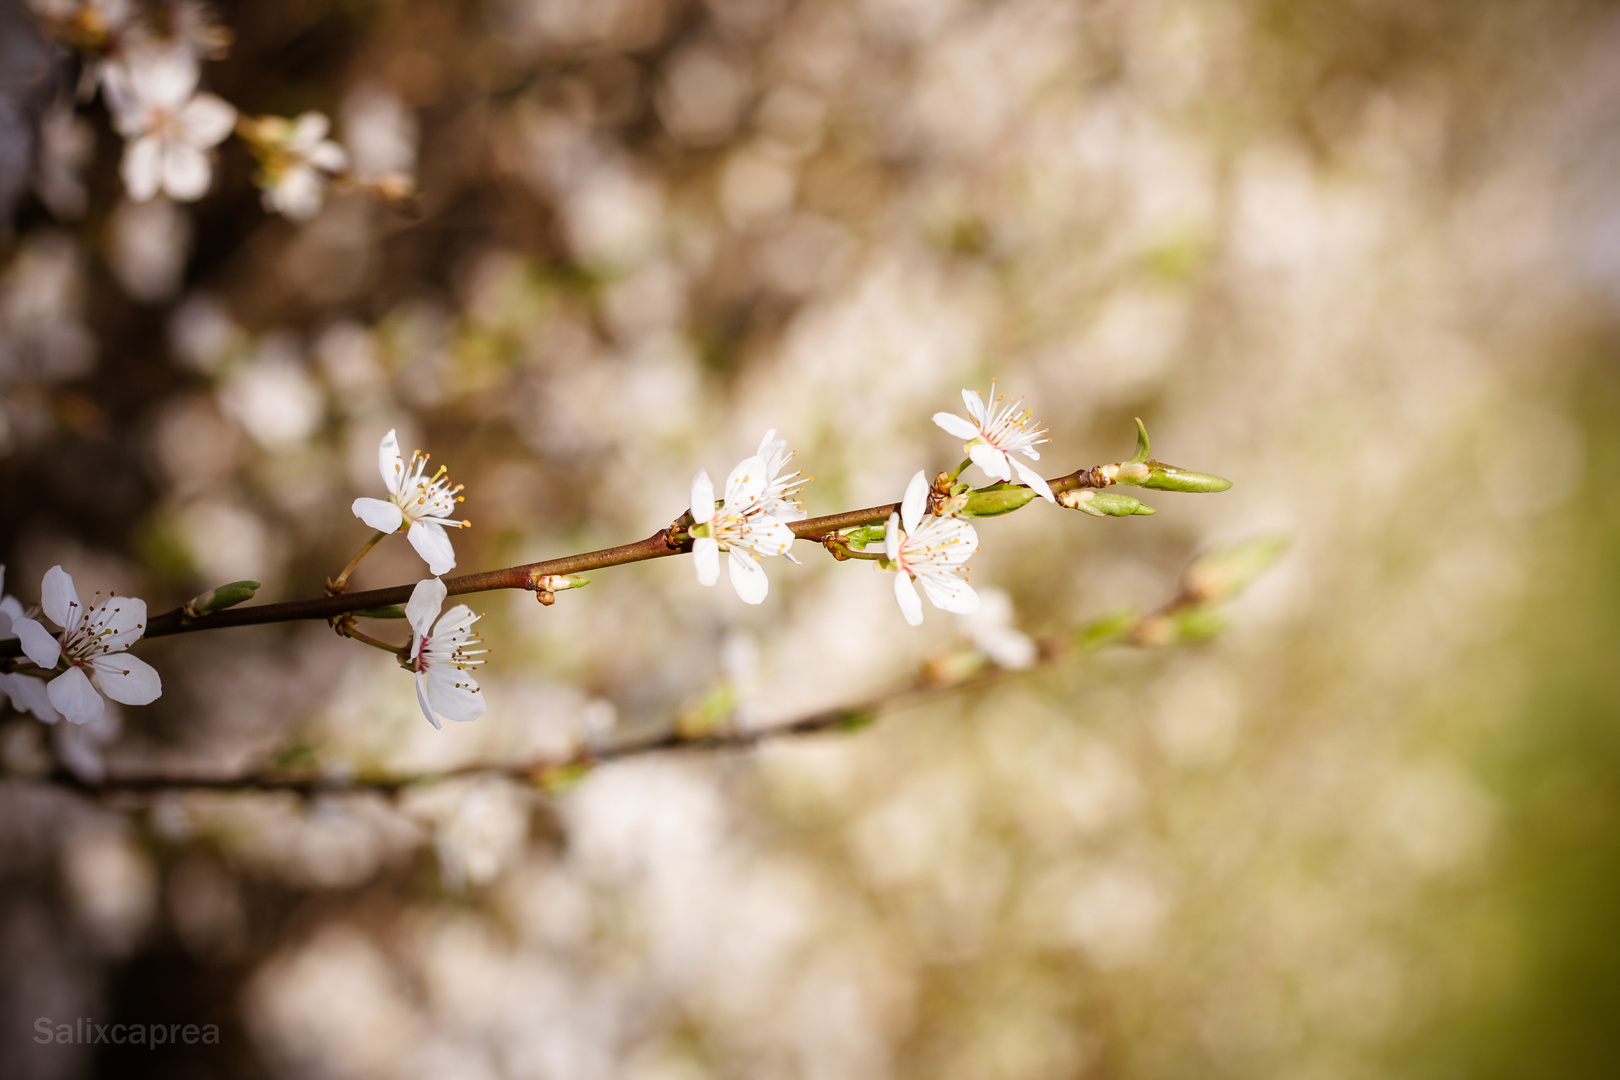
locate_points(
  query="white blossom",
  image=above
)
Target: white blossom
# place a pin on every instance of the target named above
(421, 502)
(441, 654)
(995, 433)
(932, 551)
(93, 643)
(27, 693)
(753, 521)
(296, 162)
(169, 126)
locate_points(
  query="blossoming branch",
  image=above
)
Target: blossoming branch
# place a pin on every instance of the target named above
(925, 539)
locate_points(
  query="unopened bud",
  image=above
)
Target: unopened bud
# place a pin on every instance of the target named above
(1162, 477)
(1104, 503)
(1107, 630)
(218, 599)
(556, 583)
(995, 500)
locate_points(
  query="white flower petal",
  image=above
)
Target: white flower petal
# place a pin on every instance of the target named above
(702, 497)
(142, 167)
(454, 695)
(706, 559)
(746, 482)
(205, 120)
(433, 544)
(950, 593)
(975, 405)
(186, 172)
(390, 464)
(60, 599)
(298, 194)
(37, 643)
(164, 77)
(29, 695)
(767, 536)
(455, 624)
(74, 697)
(422, 700)
(1033, 479)
(906, 594)
(127, 679)
(966, 430)
(330, 157)
(423, 607)
(991, 460)
(380, 515)
(891, 538)
(307, 132)
(124, 619)
(915, 505)
(748, 577)
(767, 445)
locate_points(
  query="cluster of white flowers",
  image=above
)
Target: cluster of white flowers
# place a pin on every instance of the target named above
(146, 60)
(923, 544)
(88, 660)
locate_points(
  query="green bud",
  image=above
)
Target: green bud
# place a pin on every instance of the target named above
(558, 582)
(1106, 630)
(387, 611)
(1162, 477)
(995, 500)
(221, 598)
(1143, 447)
(1104, 503)
(1223, 572)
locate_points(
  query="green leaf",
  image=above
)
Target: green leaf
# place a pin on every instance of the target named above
(1143, 447)
(858, 538)
(221, 598)
(1199, 622)
(995, 500)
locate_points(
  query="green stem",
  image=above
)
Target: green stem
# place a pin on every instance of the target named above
(960, 469)
(342, 581)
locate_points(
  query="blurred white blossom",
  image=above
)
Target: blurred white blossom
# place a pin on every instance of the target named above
(170, 127)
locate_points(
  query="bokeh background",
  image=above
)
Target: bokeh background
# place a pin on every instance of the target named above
(1360, 256)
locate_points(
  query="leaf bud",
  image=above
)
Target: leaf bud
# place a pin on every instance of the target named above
(218, 599)
(995, 500)
(1162, 477)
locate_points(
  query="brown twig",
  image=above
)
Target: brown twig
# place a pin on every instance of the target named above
(656, 546)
